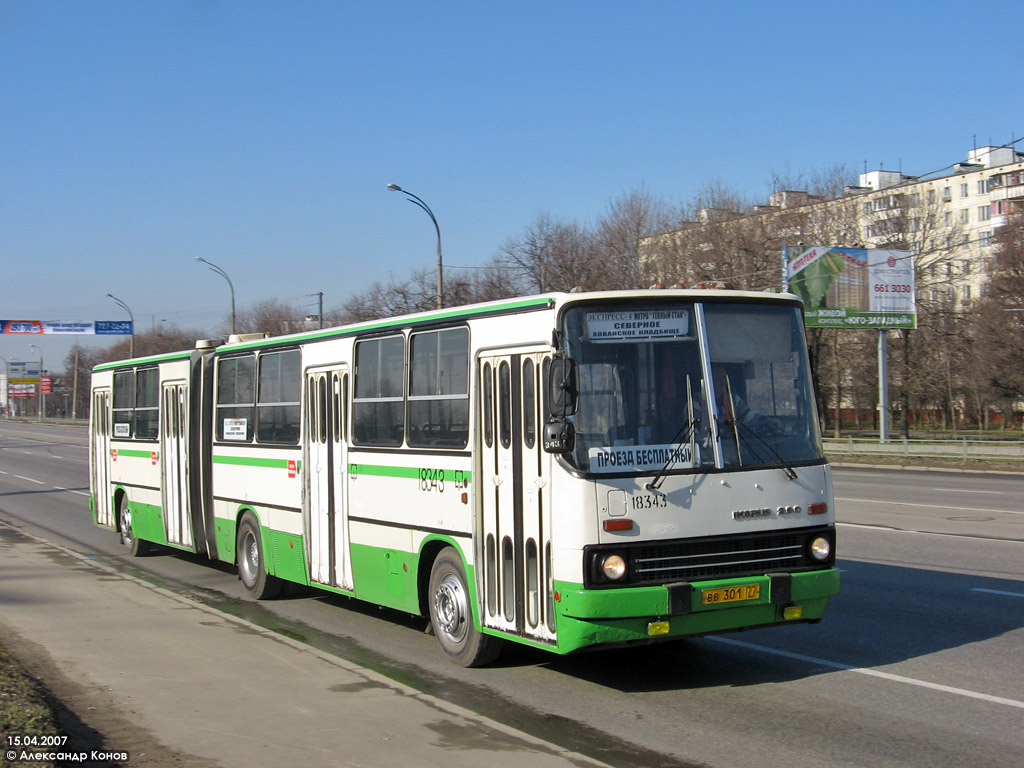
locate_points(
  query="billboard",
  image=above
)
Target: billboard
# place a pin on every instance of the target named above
(85, 327)
(852, 287)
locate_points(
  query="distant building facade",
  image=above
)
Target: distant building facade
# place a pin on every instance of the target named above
(948, 221)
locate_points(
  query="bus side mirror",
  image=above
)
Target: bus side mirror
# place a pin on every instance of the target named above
(559, 437)
(562, 391)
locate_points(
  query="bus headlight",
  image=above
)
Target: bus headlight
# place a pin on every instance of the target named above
(820, 548)
(613, 567)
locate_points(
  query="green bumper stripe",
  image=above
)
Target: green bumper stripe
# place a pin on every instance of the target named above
(625, 615)
(411, 473)
(629, 602)
(250, 461)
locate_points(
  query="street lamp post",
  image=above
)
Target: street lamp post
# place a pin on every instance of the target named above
(39, 382)
(122, 305)
(223, 274)
(417, 201)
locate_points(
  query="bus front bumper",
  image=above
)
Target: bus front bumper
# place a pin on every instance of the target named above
(641, 614)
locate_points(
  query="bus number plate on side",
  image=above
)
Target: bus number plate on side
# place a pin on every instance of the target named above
(730, 594)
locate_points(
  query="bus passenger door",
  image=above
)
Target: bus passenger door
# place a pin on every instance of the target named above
(514, 547)
(325, 472)
(174, 463)
(101, 491)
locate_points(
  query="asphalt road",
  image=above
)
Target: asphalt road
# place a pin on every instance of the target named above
(918, 663)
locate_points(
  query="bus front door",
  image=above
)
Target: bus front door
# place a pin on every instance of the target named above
(514, 549)
(174, 463)
(325, 471)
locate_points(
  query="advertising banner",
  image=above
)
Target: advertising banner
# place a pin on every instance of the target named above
(73, 327)
(852, 287)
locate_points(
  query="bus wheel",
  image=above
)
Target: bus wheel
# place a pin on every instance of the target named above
(452, 617)
(252, 572)
(135, 547)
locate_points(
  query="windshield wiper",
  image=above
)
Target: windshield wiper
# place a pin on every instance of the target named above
(748, 433)
(678, 439)
(730, 418)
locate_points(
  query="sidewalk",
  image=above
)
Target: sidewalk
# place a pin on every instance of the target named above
(207, 689)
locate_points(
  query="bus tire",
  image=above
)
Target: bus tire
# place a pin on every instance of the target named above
(251, 565)
(135, 547)
(451, 615)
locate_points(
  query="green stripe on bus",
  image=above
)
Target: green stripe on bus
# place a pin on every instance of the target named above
(252, 461)
(411, 473)
(455, 313)
(143, 361)
(131, 454)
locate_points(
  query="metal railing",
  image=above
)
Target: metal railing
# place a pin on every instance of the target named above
(962, 449)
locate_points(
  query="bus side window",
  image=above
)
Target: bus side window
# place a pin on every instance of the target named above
(378, 407)
(277, 407)
(439, 389)
(236, 398)
(124, 403)
(147, 403)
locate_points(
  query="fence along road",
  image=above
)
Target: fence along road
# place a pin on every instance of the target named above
(964, 449)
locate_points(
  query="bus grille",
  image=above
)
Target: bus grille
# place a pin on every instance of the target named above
(717, 558)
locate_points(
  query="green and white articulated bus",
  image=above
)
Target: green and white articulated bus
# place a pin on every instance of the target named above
(566, 470)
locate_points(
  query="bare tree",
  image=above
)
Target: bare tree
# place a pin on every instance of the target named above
(271, 316)
(996, 327)
(418, 293)
(827, 183)
(160, 340)
(716, 195)
(552, 256)
(629, 220)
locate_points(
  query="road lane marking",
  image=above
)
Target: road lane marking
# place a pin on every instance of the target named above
(997, 592)
(890, 529)
(70, 490)
(933, 506)
(30, 479)
(872, 672)
(965, 490)
(866, 485)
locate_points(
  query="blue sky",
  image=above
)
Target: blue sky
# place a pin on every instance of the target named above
(135, 136)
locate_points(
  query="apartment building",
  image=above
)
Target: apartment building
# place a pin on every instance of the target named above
(947, 219)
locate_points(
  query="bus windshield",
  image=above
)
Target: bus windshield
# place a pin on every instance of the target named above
(688, 387)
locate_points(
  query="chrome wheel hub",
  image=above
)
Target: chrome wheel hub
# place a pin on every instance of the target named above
(250, 557)
(451, 608)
